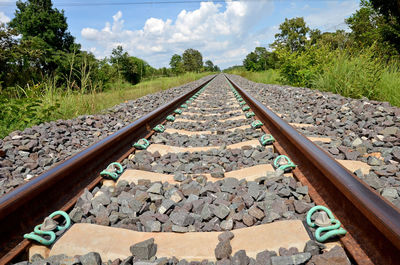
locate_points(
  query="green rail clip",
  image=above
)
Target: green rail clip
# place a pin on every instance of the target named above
(286, 167)
(178, 111)
(113, 171)
(37, 233)
(159, 128)
(142, 144)
(267, 139)
(250, 114)
(246, 108)
(331, 231)
(170, 118)
(256, 124)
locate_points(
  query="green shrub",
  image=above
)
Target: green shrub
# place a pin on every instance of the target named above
(301, 68)
(17, 114)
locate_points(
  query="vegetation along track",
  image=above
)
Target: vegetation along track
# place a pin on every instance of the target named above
(207, 172)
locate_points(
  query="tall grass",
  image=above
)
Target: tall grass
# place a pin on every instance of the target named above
(46, 101)
(270, 76)
(361, 75)
(75, 104)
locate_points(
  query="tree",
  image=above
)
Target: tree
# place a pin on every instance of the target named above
(131, 68)
(176, 64)
(192, 60)
(250, 62)
(260, 60)
(375, 25)
(335, 40)
(364, 25)
(38, 18)
(209, 66)
(292, 35)
(390, 10)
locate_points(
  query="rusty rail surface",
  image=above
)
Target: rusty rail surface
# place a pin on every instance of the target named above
(59, 187)
(372, 221)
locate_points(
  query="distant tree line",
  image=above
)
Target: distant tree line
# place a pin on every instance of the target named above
(376, 25)
(191, 61)
(37, 50)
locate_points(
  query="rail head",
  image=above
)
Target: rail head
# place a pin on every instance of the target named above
(374, 209)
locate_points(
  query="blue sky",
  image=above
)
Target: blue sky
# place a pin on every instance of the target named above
(223, 32)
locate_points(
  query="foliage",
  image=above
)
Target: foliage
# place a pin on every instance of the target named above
(192, 60)
(38, 18)
(300, 68)
(369, 27)
(351, 75)
(292, 35)
(271, 76)
(260, 60)
(390, 30)
(361, 63)
(176, 64)
(21, 113)
(51, 104)
(210, 67)
(131, 68)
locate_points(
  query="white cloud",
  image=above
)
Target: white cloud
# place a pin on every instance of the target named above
(4, 18)
(213, 29)
(223, 33)
(331, 18)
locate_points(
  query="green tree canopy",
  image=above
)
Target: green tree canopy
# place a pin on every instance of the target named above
(38, 18)
(292, 35)
(390, 30)
(260, 60)
(192, 60)
(376, 23)
(176, 64)
(131, 68)
(209, 66)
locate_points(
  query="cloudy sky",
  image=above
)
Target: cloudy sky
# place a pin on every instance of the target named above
(223, 31)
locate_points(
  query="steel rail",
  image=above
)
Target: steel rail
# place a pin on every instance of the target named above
(373, 222)
(58, 188)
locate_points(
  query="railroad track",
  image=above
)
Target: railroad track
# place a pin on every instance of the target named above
(215, 175)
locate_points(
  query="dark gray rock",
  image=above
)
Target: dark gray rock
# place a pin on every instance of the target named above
(313, 247)
(144, 250)
(91, 258)
(223, 250)
(221, 211)
(240, 258)
(335, 256)
(264, 257)
(297, 259)
(226, 236)
(181, 218)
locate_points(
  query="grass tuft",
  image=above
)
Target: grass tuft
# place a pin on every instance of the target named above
(53, 103)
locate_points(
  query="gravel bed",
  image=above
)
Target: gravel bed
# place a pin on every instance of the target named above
(215, 161)
(223, 116)
(361, 129)
(208, 125)
(29, 153)
(213, 111)
(144, 253)
(223, 138)
(194, 205)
